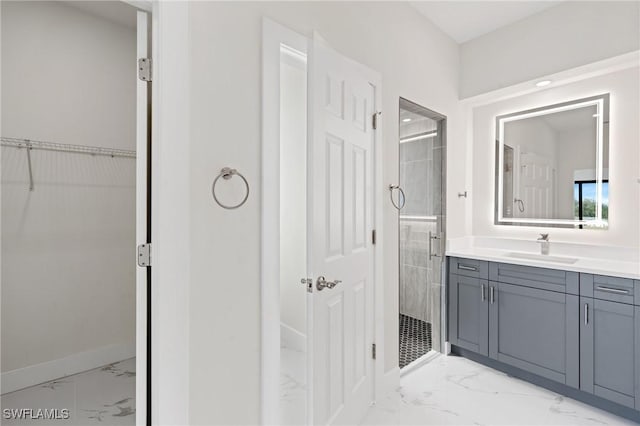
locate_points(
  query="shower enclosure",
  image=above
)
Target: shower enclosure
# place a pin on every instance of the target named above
(422, 228)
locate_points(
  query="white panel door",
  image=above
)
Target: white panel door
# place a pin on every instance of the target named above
(341, 212)
(536, 187)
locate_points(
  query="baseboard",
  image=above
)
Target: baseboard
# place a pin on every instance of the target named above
(77, 363)
(390, 382)
(292, 338)
(416, 364)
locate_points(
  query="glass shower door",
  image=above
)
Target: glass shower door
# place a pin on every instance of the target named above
(422, 226)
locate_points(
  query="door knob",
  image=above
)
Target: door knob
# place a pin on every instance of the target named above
(322, 283)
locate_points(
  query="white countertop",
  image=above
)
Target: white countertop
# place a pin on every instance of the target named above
(611, 261)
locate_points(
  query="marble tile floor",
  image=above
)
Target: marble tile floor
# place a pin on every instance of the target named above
(293, 389)
(451, 390)
(104, 396)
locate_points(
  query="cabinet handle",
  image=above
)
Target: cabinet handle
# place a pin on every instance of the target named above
(492, 294)
(586, 314)
(483, 293)
(612, 290)
(467, 268)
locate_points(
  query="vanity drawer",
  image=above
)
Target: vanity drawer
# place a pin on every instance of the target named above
(469, 267)
(530, 276)
(608, 288)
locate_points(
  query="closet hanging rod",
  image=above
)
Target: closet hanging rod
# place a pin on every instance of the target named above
(77, 149)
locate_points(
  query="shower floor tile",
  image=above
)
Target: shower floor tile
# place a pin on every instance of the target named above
(415, 339)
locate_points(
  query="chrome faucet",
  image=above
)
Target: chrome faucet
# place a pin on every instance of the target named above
(544, 243)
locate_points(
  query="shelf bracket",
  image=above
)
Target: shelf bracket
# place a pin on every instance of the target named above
(29, 164)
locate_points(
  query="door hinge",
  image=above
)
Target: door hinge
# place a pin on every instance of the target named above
(144, 255)
(374, 120)
(373, 237)
(144, 69)
(373, 351)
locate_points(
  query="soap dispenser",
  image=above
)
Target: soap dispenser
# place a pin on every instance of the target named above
(544, 243)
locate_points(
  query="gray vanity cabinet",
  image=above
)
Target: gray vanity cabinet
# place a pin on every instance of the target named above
(535, 330)
(469, 313)
(610, 339)
(580, 330)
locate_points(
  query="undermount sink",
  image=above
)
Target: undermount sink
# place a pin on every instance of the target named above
(543, 257)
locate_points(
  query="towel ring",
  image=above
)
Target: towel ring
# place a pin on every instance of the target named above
(391, 188)
(227, 173)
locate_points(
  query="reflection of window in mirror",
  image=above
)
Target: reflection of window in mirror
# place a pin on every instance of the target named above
(584, 200)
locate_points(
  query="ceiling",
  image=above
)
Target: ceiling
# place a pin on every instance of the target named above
(466, 20)
(115, 11)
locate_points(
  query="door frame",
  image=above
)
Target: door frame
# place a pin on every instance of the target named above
(170, 210)
(273, 35)
(444, 317)
(143, 220)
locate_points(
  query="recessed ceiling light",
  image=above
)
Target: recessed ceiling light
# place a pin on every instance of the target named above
(406, 120)
(543, 83)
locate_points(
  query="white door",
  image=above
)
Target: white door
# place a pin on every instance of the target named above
(143, 275)
(536, 187)
(341, 154)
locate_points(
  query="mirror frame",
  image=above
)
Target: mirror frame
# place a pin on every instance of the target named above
(602, 138)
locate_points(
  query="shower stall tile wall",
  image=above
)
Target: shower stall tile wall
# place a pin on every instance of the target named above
(421, 220)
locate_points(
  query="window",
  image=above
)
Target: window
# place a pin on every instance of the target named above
(584, 200)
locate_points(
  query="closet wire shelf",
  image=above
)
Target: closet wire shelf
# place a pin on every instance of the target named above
(30, 145)
(78, 149)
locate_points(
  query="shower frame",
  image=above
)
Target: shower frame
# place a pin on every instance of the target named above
(441, 119)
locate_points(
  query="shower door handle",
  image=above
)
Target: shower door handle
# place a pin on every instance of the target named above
(431, 238)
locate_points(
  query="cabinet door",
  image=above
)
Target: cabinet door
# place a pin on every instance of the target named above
(607, 350)
(535, 330)
(469, 313)
(637, 345)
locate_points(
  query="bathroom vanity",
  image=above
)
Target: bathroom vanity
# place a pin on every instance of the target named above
(574, 332)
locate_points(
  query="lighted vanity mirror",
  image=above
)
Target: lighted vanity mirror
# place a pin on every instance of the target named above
(552, 165)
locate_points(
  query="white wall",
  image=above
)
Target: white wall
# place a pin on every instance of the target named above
(68, 272)
(532, 135)
(293, 193)
(624, 154)
(566, 36)
(67, 75)
(576, 151)
(416, 61)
